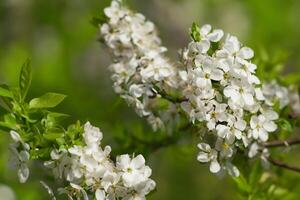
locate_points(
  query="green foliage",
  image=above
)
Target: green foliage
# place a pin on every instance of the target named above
(195, 32)
(48, 100)
(25, 79)
(5, 92)
(38, 127)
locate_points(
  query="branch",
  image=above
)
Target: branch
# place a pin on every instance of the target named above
(168, 97)
(279, 143)
(279, 163)
(164, 95)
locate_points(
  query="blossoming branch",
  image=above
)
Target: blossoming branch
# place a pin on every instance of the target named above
(75, 155)
(214, 84)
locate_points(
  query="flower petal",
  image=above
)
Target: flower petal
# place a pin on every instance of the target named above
(214, 166)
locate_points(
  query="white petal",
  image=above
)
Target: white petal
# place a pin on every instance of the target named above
(100, 195)
(263, 135)
(15, 136)
(254, 122)
(271, 115)
(205, 29)
(241, 125)
(216, 75)
(232, 44)
(203, 46)
(253, 150)
(216, 35)
(232, 93)
(23, 173)
(222, 130)
(123, 161)
(248, 99)
(270, 126)
(259, 94)
(214, 166)
(138, 162)
(203, 157)
(203, 83)
(204, 147)
(24, 156)
(246, 53)
(230, 137)
(255, 134)
(223, 53)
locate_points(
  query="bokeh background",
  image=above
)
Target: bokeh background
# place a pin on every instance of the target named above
(58, 37)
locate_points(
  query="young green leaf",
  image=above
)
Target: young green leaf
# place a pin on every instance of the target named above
(25, 79)
(4, 92)
(48, 100)
(53, 136)
(195, 32)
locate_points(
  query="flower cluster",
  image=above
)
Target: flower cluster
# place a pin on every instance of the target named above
(89, 169)
(20, 157)
(215, 79)
(140, 65)
(277, 94)
(219, 82)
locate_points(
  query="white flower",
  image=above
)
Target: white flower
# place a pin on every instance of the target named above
(224, 147)
(80, 190)
(136, 90)
(134, 170)
(156, 71)
(207, 33)
(240, 93)
(114, 12)
(20, 156)
(217, 114)
(263, 124)
(92, 135)
(232, 51)
(207, 154)
(207, 74)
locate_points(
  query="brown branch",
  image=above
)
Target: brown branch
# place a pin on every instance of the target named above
(281, 164)
(280, 143)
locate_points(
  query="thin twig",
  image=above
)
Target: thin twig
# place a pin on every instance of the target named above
(168, 97)
(280, 143)
(279, 163)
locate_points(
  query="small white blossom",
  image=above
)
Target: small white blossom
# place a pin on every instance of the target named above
(207, 154)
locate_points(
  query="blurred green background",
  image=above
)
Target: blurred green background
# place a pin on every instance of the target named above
(67, 58)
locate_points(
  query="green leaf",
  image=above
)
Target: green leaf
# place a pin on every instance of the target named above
(195, 32)
(98, 21)
(9, 121)
(285, 125)
(48, 100)
(53, 136)
(25, 79)
(242, 184)
(255, 174)
(4, 92)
